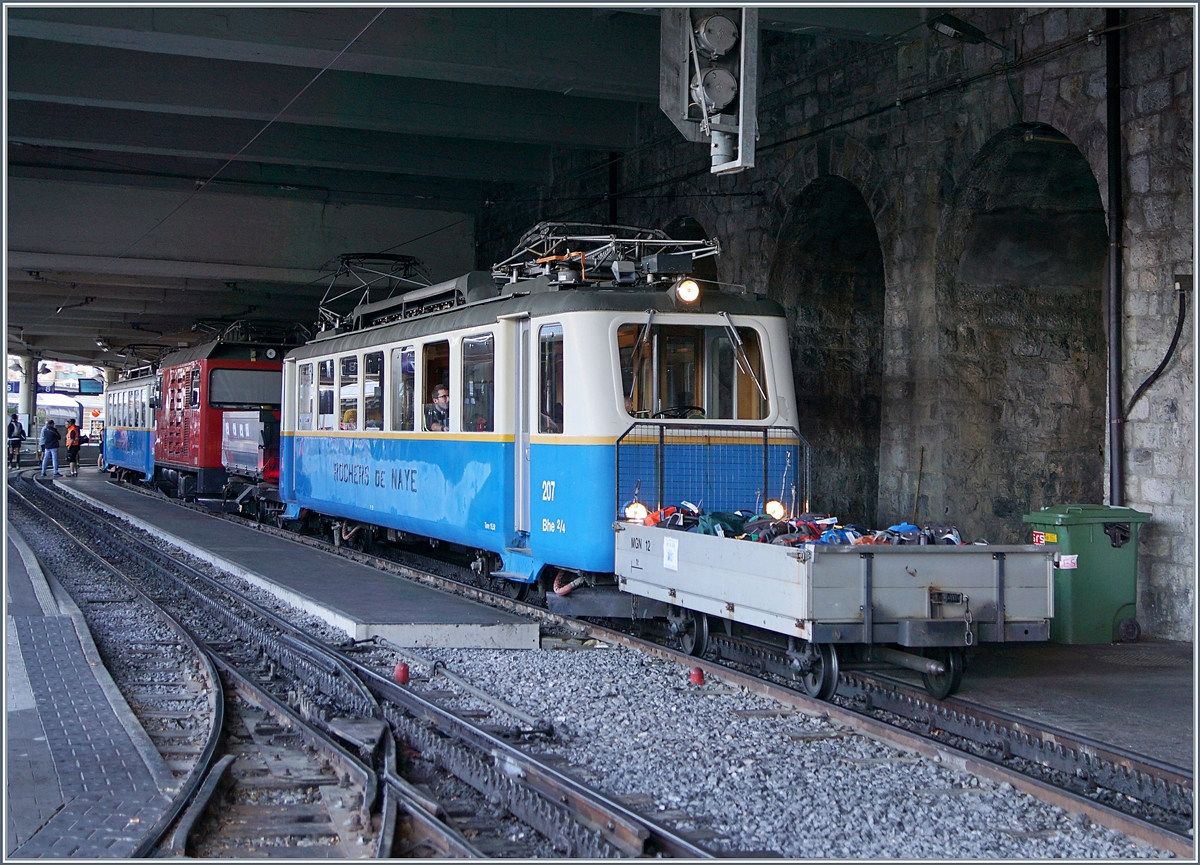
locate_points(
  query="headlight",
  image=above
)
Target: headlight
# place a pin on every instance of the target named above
(636, 512)
(774, 509)
(687, 290)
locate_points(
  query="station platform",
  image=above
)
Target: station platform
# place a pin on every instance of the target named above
(362, 601)
(1138, 696)
(83, 779)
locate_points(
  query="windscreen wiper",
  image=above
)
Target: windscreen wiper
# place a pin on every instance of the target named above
(643, 337)
(740, 354)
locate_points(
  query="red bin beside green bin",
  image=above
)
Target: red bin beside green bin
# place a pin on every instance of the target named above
(1095, 583)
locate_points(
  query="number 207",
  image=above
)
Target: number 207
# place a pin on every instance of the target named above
(547, 491)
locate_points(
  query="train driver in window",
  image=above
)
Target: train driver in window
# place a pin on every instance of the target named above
(437, 413)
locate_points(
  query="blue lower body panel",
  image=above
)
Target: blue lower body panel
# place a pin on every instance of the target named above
(462, 492)
(131, 449)
(457, 491)
(571, 497)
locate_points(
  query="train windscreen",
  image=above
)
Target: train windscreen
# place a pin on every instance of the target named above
(244, 388)
(688, 371)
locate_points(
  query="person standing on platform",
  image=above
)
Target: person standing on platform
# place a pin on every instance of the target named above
(16, 435)
(49, 442)
(100, 456)
(73, 444)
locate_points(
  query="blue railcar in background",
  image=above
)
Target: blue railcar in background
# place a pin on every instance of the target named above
(129, 433)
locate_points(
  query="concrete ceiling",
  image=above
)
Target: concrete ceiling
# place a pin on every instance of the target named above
(117, 117)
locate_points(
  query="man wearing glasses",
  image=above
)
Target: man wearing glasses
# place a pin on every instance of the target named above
(437, 414)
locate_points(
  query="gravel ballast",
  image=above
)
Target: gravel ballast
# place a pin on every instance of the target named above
(786, 784)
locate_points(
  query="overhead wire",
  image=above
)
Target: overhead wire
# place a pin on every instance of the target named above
(256, 135)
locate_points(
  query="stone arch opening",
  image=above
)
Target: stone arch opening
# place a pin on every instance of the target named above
(828, 274)
(1022, 352)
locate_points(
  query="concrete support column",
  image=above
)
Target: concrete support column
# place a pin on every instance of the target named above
(110, 375)
(27, 402)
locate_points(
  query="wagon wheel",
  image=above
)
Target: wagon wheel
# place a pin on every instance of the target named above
(820, 682)
(510, 589)
(941, 687)
(693, 635)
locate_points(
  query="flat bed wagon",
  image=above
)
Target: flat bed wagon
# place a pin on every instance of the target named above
(917, 606)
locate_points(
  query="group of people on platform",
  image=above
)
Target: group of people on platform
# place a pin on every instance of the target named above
(49, 441)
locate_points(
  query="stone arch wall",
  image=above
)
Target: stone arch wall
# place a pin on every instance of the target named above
(828, 108)
(827, 272)
(1021, 397)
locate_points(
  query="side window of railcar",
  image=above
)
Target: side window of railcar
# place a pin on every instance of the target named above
(348, 393)
(478, 383)
(195, 389)
(373, 390)
(550, 375)
(701, 372)
(436, 384)
(304, 405)
(325, 418)
(404, 373)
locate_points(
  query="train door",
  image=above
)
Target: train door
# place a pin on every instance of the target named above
(521, 428)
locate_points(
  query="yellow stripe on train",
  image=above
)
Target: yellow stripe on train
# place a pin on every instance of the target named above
(402, 436)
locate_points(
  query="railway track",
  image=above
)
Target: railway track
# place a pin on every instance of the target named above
(327, 700)
(1141, 797)
(165, 676)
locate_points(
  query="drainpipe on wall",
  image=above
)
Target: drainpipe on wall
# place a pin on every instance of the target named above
(1116, 169)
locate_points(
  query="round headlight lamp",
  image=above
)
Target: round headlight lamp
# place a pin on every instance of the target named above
(687, 290)
(774, 509)
(636, 512)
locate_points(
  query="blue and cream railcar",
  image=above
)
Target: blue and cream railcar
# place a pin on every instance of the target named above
(542, 381)
(129, 433)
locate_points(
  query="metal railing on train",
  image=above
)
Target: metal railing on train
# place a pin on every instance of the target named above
(717, 467)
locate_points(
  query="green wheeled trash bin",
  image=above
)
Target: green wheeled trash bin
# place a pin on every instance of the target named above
(1095, 582)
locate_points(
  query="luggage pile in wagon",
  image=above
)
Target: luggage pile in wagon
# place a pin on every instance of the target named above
(809, 528)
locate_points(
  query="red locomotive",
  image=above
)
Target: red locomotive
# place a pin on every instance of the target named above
(193, 389)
